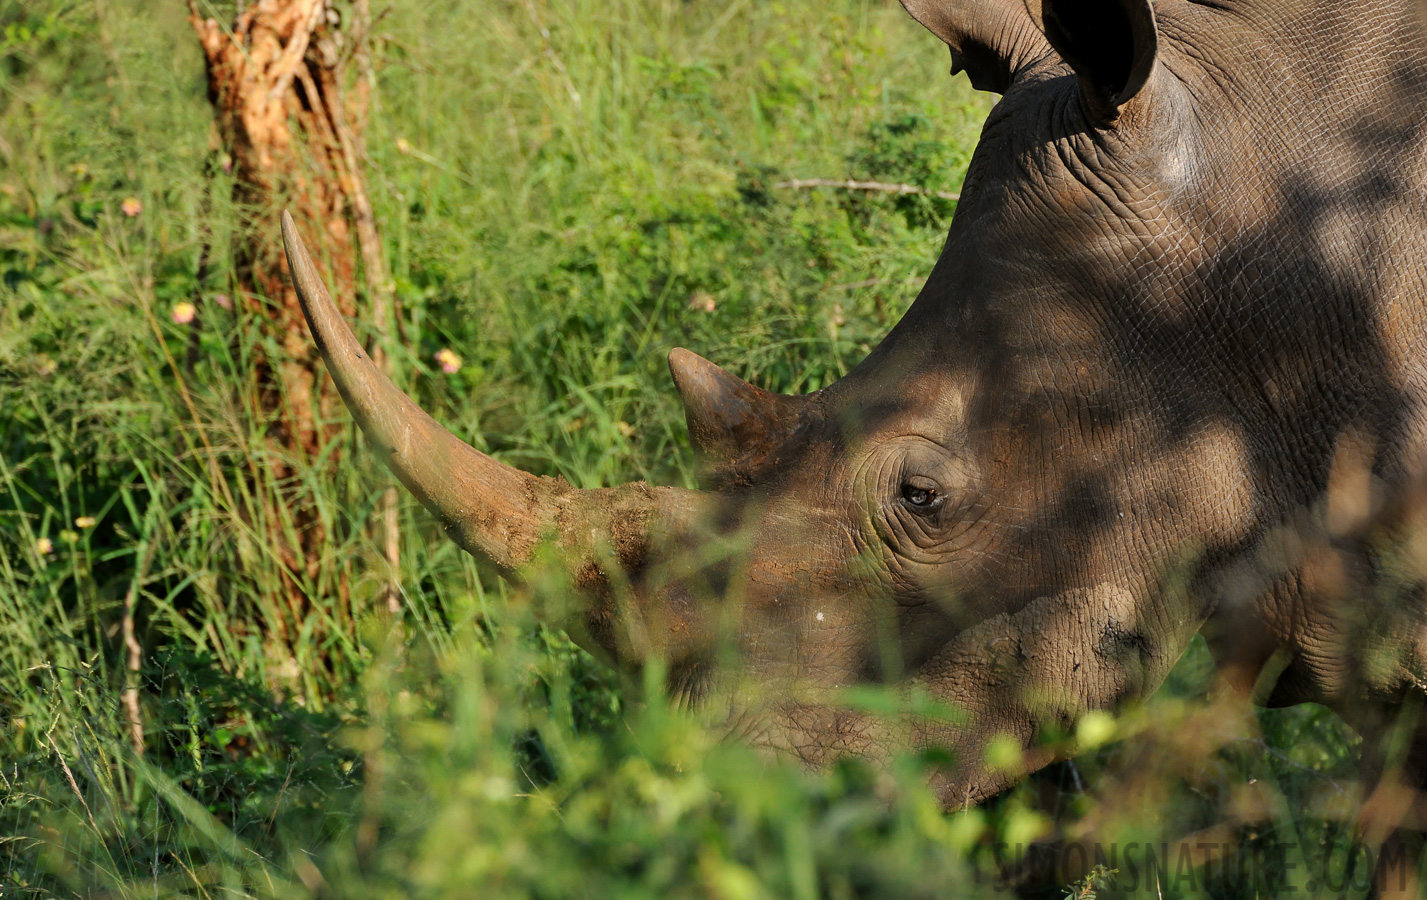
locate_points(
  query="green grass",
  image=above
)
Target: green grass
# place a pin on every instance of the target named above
(560, 227)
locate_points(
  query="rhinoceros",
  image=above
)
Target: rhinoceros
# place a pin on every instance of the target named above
(1168, 376)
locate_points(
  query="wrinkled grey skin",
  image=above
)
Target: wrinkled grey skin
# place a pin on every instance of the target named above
(1183, 292)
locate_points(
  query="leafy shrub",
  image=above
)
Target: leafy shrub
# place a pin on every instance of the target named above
(906, 150)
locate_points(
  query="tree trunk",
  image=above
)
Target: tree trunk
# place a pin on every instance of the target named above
(276, 83)
(273, 83)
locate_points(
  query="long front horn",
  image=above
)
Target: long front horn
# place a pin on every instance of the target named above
(502, 514)
(488, 508)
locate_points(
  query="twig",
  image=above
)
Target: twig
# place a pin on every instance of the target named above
(1263, 746)
(272, 820)
(196, 883)
(851, 184)
(361, 37)
(130, 697)
(296, 49)
(390, 511)
(73, 785)
(322, 131)
(551, 54)
(872, 282)
(405, 149)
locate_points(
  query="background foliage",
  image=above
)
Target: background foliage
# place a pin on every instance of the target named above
(559, 212)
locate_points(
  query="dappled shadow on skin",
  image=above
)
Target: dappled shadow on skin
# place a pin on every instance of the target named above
(1171, 425)
(1205, 404)
(1109, 419)
(1208, 793)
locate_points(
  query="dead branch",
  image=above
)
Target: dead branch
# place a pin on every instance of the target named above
(552, 55)
(296, 139)
(283, 70)
(850, 184)
(130, 697)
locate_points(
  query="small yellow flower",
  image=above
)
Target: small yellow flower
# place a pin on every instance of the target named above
(450, 362)
(131, 207)
(403, 146)
(45, 366)
(182, 313)
(44, 546)
(85, 522)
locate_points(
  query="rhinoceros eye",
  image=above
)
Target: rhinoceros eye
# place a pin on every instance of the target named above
(921, 494)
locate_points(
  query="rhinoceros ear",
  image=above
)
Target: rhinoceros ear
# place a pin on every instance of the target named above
(989, 39)
(1111, 45)
(735, 427)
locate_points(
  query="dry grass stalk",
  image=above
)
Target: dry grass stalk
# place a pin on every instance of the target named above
(852, 184)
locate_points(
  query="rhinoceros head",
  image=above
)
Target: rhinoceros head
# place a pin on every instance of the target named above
(1108, 387)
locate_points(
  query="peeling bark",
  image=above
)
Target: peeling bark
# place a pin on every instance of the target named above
(273, 81)
(295, 138)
